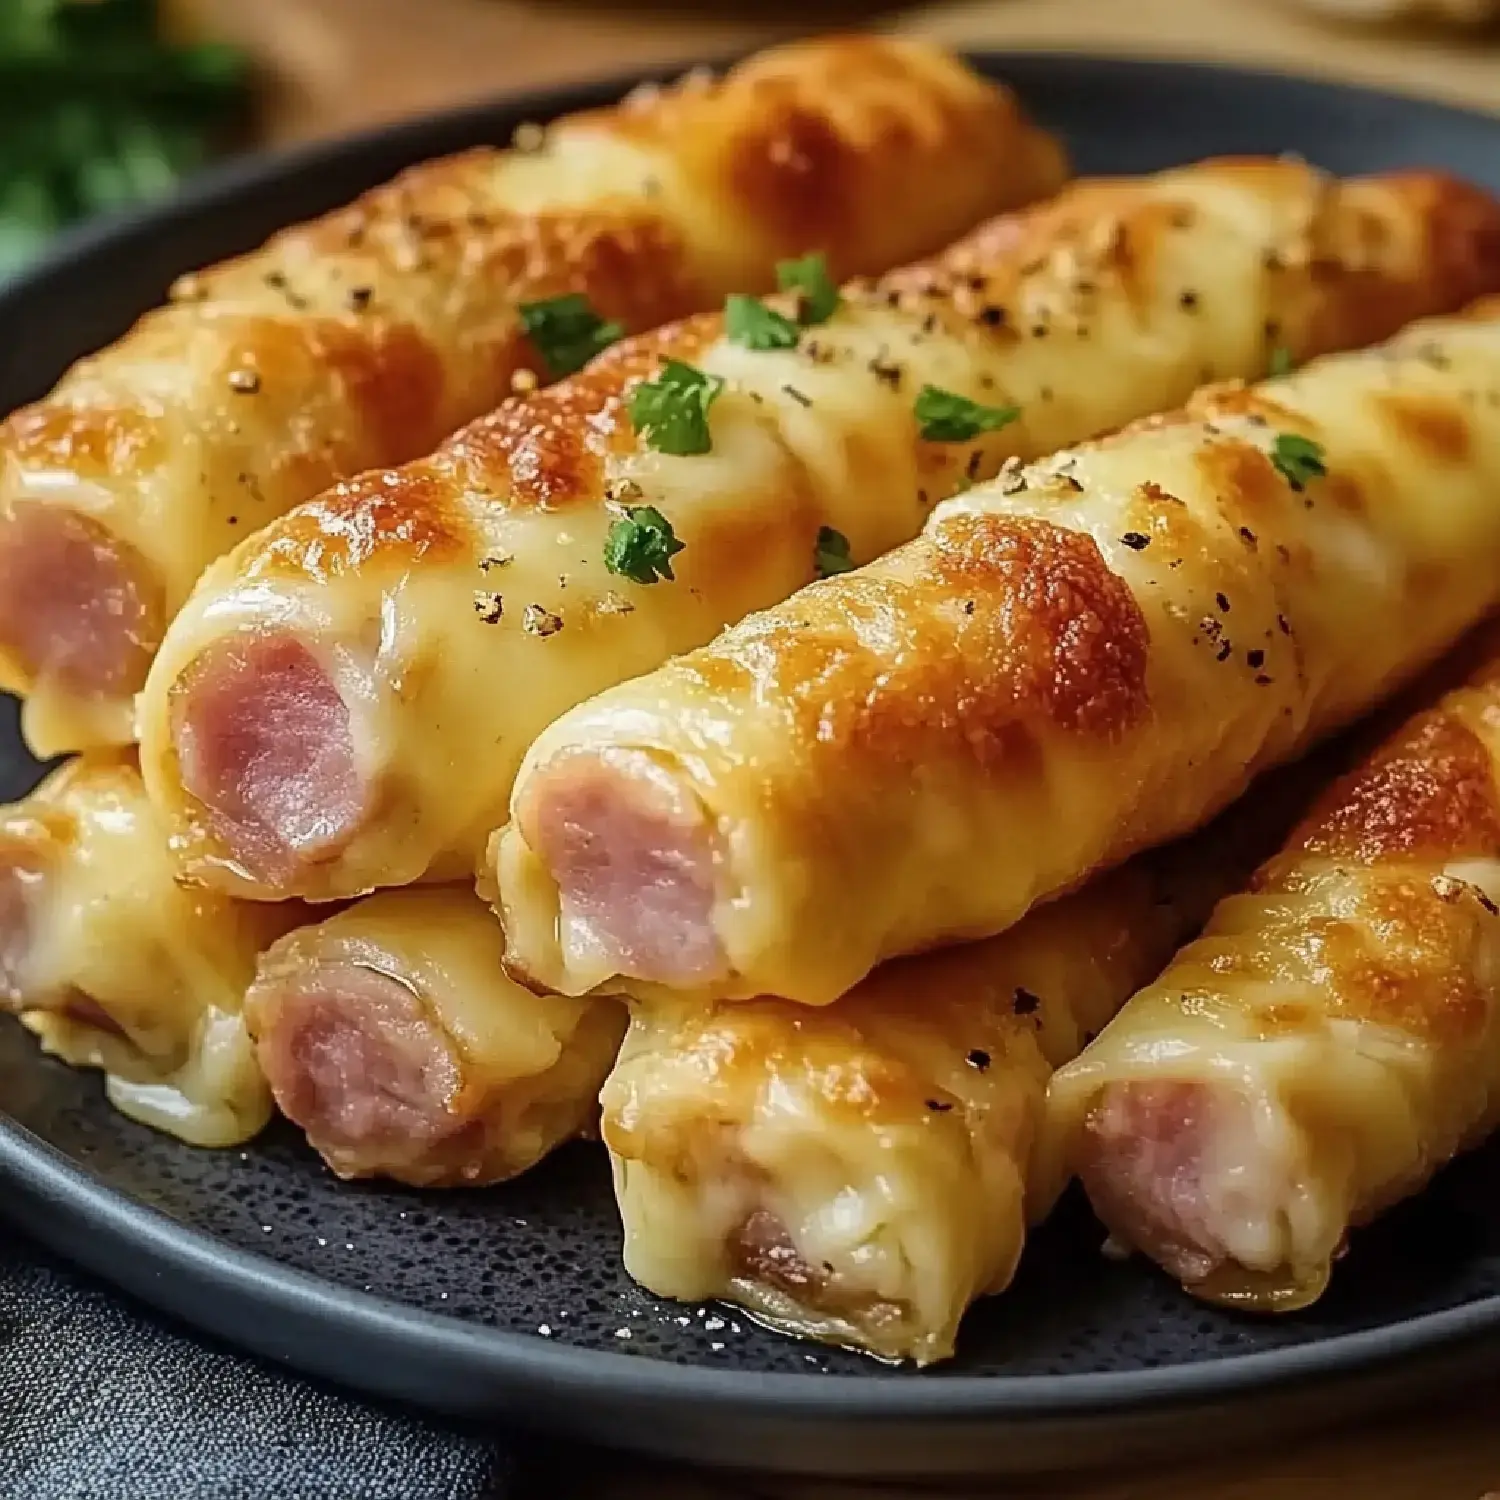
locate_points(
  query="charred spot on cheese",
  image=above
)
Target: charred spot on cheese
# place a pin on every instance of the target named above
(1414, 980)
(1242, 472)
(396, 515)
(1072, 641)
(394, 377)
(1429, 792)
(548, 451)
(1439, 428)
(1024, 1002)
(93, 441)
(489, 606)
(795, 169)
(541, 453)
(978, 1058)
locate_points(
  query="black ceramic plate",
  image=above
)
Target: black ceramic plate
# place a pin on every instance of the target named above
(510, 1303)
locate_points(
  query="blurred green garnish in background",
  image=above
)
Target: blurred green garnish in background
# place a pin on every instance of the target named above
(98, 110)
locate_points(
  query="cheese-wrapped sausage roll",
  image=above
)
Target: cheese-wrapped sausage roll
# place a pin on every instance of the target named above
(391, 1035)
(367, 336)
(345, 700)
(859, 1173)
(1331, 1040)
(115, 965)
(1085, 658)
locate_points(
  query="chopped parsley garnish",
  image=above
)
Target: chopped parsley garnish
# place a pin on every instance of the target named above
(104, 106)
(567, 332)
(748, 321)
(1281, 362)
(671, 412)
(641, 545)
(831, 554)
(817, 296)
(947, 417)
(1297, 459)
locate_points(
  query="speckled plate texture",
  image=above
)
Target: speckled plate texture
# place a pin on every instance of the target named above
(510, 1304)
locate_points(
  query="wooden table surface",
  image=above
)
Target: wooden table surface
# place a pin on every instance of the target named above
(337, 64)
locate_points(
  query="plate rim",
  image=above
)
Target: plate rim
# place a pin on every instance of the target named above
(50, 1176)
(84, 1218)
(32, 1163)
(206, 190)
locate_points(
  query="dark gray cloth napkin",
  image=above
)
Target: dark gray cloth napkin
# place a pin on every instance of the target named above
(101, 1400)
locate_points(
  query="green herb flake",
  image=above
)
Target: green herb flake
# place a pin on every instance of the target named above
(831, 553)
(749, 322)
(671, 412)
(1297, 459)
(103, 108)
(567, 332)
(817, 296)
(1281, 362)
(946, 417)
(641, 545)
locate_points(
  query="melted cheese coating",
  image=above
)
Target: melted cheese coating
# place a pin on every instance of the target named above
(472, 1080)
(365, 337)
(116, 965)
(1083, 659)
(463, 602)
(1344, 1009)
(860, 1173)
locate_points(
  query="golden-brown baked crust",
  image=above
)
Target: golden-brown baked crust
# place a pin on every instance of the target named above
(363, 338)
(1043, 314)
(1345, 1003)
(1085, 657)
(860, 1172)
